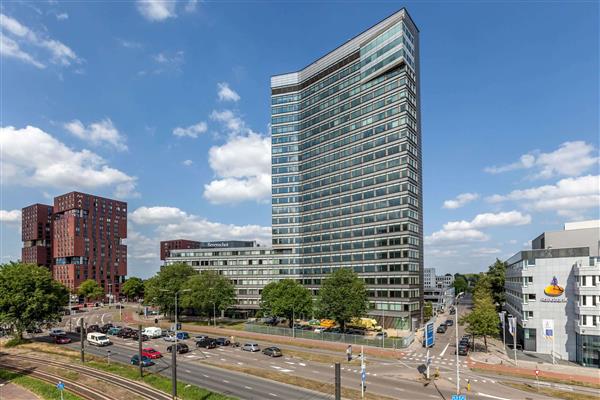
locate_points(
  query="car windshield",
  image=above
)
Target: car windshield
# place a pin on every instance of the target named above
(102, 337)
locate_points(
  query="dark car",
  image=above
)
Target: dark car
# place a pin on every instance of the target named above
(123, 333)
(93, 328)
(449, 322)
(104, 328)
(146, 362)
(200, 337)
(181, 348)
(136, 336)
(62, 339)
(442, 328)
(207, 343)
(34, 330)
(272, 352)
(223, 341)
(452, 311)
(463, 349)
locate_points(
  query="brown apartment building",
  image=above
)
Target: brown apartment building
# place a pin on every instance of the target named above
(78, 238)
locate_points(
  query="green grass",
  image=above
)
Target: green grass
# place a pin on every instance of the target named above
(184, 391)
(41, 388)
(554, 393)
(16, 342)
(541, 378)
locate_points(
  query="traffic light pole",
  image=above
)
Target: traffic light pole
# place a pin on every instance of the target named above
(140, 350)
(338, 382)
(81, 339)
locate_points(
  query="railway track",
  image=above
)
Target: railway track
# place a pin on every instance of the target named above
(71, 386)
(134, 387)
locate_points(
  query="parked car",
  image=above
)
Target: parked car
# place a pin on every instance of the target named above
(381, 335)
(463, 349)
(223, 341)
(151, 353)
(207, 343)
(104, 328)
(442, 328)
(98, 339)
(251, 347)
(449, 322)
(136, 336)
(93, 328)
(62, 339)
(319, 330)
(153, 332)
(33, 330)
(146, 362)
(200, 337)
(181, 348)
(272, 352)
(114, 330)
(57, 332)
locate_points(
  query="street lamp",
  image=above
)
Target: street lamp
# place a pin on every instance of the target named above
(175, 348)
(456, 332)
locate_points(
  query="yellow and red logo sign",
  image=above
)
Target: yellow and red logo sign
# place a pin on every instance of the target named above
(553, 290)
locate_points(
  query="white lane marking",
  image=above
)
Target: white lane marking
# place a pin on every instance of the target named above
(222, 359)
(247, 387)
(225, 381)
(491, 397)
(444, 351)
(188, 371)
(302, 364)
(291, 363)
(273, 394)
(240, 363)
(206, 376)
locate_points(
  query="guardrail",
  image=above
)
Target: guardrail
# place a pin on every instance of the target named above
(388, 343)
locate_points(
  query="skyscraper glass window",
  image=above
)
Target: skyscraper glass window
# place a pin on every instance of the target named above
(346, 163)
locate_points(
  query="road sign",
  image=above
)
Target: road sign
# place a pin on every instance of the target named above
(60, 385)
(459, 397)
(429, 334)
(537, 372)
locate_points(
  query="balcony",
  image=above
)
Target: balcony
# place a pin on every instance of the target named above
(586, 329)
(587, 290)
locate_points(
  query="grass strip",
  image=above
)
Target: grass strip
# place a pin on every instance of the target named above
(317, 386)
(34, 385)
(554, 393)
(541, 378)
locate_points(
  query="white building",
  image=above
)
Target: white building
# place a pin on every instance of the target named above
(429, 279)
(558, 285)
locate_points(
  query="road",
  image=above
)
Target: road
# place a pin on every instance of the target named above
(385, 377)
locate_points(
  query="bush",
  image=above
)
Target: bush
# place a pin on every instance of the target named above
(16, 342)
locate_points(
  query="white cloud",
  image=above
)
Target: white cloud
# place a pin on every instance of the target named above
(156, 10)
(570, 159)
(485, 251)
(192, 131)
(34, 158)
(460, 200)
(191, 6)
(226, 93)
(469, 231)
(165, 62)
(129, 44)
(234, 124)
(243, 168)
(157, 215)
(566, 195)
(97, 133)
(187, 163)
(60, 53)
(10, 48)
(10, 217)
(62, 16)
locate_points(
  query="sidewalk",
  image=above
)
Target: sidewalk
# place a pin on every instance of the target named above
(498, 361)
(13, 391)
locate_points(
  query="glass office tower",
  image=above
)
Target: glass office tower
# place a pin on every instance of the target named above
(346, 137)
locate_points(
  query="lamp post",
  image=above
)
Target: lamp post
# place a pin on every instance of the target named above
(214, 314)
(456, 333)
(174, 348)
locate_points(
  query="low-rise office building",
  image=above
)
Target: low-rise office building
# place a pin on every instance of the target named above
(440, 297)
(554, 293)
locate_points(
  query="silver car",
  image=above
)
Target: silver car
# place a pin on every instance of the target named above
(251, 347)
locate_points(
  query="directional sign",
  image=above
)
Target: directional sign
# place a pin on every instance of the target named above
(429, 335)
(537, 372)
(60, 386)
(459, 397)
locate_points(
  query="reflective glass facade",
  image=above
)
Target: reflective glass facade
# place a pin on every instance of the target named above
(346, 163)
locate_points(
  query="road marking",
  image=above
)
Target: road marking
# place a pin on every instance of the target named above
(291, 363)
(444, 351)
(247, 387)
(400, 389)
(273, 394)
(206, 376)
(225, 381)
(240, 363)
(302, 364)
(491, 397)
(222, 359)
(188, 371)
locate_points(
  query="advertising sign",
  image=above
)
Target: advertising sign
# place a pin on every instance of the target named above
(548, 328)
(512, 326)
(553, 289)
(429, 334)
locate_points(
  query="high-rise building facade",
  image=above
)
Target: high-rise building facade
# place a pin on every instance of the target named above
(85, 234)
(346, 167)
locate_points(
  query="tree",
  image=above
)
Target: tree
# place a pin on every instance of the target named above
(483, 320)
(29, 297)
(161, 288)
(133, 287)
(497, 275)
(427, 310)
(90, 289)
(460, 284)
(208, 291)
(343, 296)
(286, 298)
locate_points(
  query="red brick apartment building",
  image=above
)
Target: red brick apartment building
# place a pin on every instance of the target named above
(78, 238)
(178, 244)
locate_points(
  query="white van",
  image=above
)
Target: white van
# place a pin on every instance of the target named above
(153, 332)
(98, 339)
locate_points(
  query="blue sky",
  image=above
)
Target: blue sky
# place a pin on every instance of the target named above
(166, 105)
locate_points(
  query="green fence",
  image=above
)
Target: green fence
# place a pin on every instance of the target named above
(388, 343)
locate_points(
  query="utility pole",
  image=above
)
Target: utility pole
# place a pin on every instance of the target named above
(174, 357)
(338, 382)
(363, 373)
(293, 320)
(140, 350)
(456, 333)
(81, 339)
(214, 314)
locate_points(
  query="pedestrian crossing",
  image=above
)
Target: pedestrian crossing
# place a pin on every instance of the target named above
(435, 360)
